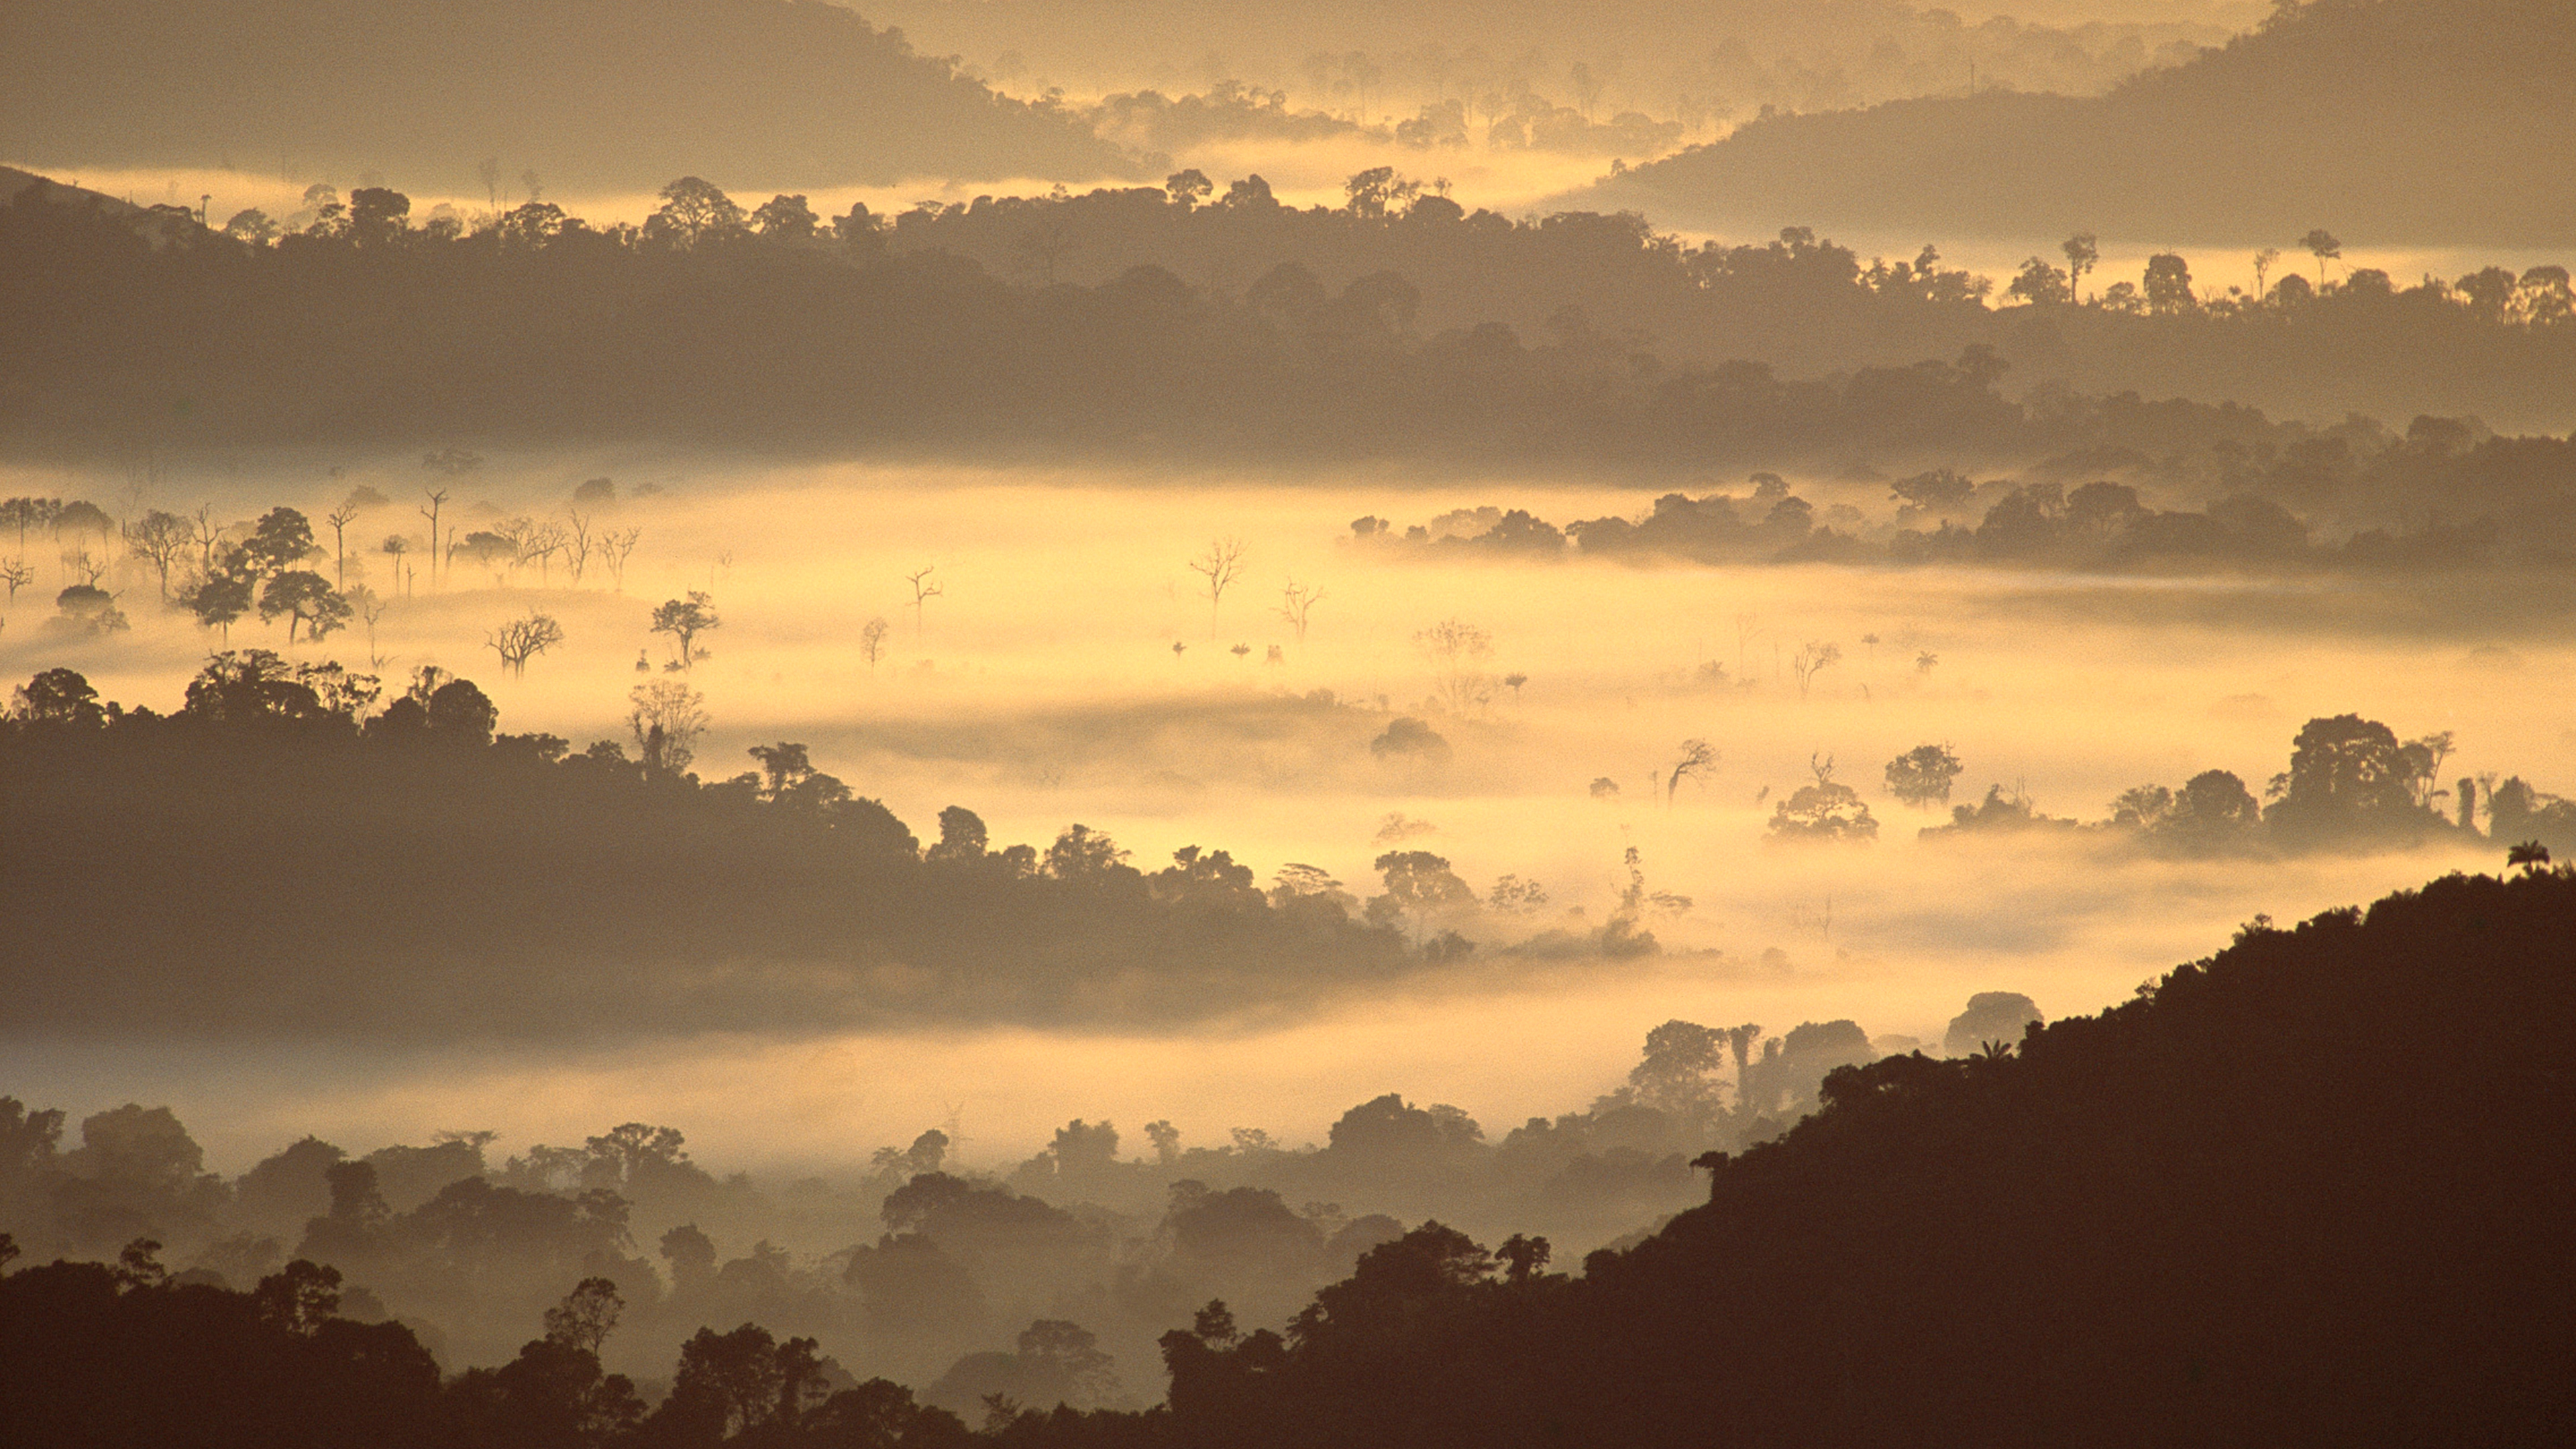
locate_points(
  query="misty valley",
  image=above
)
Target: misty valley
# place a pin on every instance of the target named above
(1137, 725)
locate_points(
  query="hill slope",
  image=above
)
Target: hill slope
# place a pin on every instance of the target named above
(591, 94)
(2390, 122)
(2314, 1190)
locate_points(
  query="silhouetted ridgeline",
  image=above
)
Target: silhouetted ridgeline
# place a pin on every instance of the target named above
(2355, 114)
(2310, 1190)
(270, 857)
(777, 329)
(579, 94)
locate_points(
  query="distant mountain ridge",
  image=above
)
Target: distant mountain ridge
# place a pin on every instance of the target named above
(2389, 122)
(589, 94)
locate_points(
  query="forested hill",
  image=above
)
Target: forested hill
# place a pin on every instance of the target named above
(2313, 1190)
(2408, 122)
(273, 858)
(589, 94)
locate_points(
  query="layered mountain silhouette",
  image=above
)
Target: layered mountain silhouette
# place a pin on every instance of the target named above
(2389, 122)
(588, 94)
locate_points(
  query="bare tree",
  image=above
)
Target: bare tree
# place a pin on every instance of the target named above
(541, 543)
(2264, 261)
(17, 575)
(1813, 658)
(371, 609)
(1295, 601)
(1219, 566)
(923, 591)
(207, 535)
(161, 538)
(1454, 648)
(1697, 758)
(872, 637)
(577, 544)
(521, 640)
(614, 546)
(437, 499)
(340, 518)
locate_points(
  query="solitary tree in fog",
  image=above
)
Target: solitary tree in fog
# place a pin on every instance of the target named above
(521, 640)
(1219, 567)
(371, 611)
(2321, 244)
(2264, 261)
(437, 500)
(1454, 647)
(1697, 757)
(1922, 776)
(1813, 658)
(394, 547)
(340, 518)
(923, 591)
(684, 620)
(872, 637)
(1295, 601)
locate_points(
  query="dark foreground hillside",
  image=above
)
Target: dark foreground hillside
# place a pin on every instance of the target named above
(2313, 1190)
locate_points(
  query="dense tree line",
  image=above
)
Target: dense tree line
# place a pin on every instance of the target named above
(2438, 499)
(2177, 1219)
(1238, 327)
(465, 1250)
(242, 834)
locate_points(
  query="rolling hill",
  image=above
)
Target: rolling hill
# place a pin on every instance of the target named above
(2389, 122)
(593, 95)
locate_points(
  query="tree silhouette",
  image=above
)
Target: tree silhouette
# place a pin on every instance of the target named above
(1296, 601)
(587, 1315)
(1696, 757)
(872, 637)
(520, 640)
(306, 598)
(684, 620)
(2083, 253)
(923, 591)
(162, 539)
(1455, 647)
(2322, 245)
(1217, 569)
(1922, 776)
